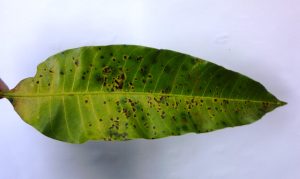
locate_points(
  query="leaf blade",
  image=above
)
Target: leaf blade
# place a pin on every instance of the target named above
(127, 92)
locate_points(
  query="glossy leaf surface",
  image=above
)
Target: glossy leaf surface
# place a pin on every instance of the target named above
(123, 92)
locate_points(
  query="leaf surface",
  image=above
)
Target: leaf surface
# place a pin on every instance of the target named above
(123, 92)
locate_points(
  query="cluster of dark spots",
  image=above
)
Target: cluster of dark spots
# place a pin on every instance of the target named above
(174, 118)
(105, 81)
(131, 86)
(163, 115)
(106, 70)
(265, 104)
(139, 59)
(225, 101)
(246, 102)
(126, 112)
(119, 81)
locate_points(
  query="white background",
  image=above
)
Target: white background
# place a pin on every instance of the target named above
(258, 38)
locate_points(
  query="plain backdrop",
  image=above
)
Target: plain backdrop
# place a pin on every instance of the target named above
(258, 38)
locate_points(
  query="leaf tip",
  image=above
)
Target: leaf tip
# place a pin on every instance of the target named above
(281, 103)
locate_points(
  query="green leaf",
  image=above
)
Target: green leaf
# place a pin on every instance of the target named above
(123, 92)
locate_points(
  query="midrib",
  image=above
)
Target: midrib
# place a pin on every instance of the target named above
(31, 95)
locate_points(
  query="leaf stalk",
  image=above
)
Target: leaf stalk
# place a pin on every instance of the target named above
(3, 88)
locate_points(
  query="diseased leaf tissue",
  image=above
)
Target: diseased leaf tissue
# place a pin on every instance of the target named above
(123, 92)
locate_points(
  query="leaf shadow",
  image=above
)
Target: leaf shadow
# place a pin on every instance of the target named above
(112, 160)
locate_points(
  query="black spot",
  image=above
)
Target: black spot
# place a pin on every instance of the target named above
(86, 101)
(37, 82)
(76, 62)
(61, 73)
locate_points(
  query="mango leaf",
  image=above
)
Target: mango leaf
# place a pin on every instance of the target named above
(123, 92)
